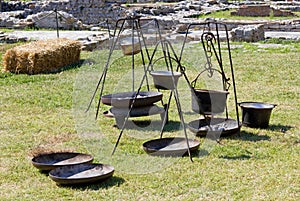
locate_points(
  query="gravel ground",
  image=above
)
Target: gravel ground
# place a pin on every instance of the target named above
(75, 35)
(41, 35)
(286, 35)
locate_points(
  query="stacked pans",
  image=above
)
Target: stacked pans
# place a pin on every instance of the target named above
(69, 168)
(142, 105)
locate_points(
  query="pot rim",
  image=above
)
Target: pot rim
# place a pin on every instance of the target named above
(211, 91)
(128, 41)
(256, 105)
(165, 73)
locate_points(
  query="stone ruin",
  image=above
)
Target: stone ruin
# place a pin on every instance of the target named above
(261, 11)
(82, 14)
(92, 15)
(248, 33)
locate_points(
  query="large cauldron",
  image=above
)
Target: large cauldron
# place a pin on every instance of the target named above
(208, 101)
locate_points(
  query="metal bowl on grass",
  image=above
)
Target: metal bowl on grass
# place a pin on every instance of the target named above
(50, 161)
(214, 127)
(171, 146)
(81, 174)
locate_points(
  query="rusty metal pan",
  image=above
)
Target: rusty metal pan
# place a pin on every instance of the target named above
(50, 161)
(173, 146)
(215, 126)
(81, 173)
(125, 99)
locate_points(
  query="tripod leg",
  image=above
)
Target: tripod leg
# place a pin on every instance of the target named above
(165, 115)
(182, 122)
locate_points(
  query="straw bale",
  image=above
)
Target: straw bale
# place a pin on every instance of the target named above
(44, 56)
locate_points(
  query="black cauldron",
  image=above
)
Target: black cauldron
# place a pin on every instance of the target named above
(164, 79)
(256, 114)
(208, 101)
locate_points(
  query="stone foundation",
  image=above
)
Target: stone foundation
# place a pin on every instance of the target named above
(249, 33)
(87, 14)
(260, 11)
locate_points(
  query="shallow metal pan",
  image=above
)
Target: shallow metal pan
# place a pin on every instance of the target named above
(50, 161)
(215, 126)
(173, 146)
(81, 174)
(125, 99)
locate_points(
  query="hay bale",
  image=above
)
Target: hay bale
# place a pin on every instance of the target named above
(44, 56)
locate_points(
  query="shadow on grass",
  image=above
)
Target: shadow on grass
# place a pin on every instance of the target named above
(203, 153)
(238, 157)
(248, 136)
(71, 66)
(279, 128)
(148, 125)
(64, 68)
(101, 184)
(200, 153)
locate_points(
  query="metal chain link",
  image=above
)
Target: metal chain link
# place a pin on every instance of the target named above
(208, 66)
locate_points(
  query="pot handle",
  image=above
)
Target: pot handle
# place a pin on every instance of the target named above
(193, 83)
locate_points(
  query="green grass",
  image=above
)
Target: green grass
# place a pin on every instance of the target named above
(41, 113)
(226, 15)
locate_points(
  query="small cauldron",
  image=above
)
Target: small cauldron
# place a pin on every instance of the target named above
(208, 101)
(164, 80)
(256, 114)
(129, 46)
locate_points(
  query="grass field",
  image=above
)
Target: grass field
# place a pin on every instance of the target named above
(44, 113)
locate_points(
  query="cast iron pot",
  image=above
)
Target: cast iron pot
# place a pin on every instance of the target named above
(164, 80)
(208, 101)
(256, 114)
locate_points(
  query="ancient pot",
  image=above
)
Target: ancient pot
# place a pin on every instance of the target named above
(208, 101)
(128, 48)
(164, 79)
(256, 114)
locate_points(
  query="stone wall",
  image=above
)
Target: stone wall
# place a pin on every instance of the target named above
(248, 33)
(95, 12)
(260, 11)
(87, 11)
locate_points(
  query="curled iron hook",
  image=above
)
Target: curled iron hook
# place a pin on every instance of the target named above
(208, 39)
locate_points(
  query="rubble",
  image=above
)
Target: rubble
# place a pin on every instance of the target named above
(83, 14)
(173, 17)
(248, 33)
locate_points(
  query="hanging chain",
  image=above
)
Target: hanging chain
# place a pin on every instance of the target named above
(209, 39)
